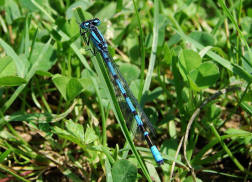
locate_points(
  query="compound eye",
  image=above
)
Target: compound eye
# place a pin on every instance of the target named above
(97, 22)
(84, 25)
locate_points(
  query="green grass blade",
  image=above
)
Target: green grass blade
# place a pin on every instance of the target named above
(10, 171)
(227, 150)
(100, 68)
(97, 90)
(75, 49)
(43, 11)
(142, 49)
(232, 19)
(19, 63)
(32, 71)
(234, 68)
(154, 48)
(27, 38)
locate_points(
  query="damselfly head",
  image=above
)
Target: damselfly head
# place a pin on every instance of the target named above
(96, 22)
(86, 24)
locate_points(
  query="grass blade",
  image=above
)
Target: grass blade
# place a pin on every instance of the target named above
(154, 48)
(234, 68)
(19, 63)
(100, 68)
(32, 71)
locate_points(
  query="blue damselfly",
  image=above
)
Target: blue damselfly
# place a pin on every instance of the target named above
(90, 32)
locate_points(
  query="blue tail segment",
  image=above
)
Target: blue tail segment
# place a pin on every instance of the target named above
(157, 155)
(89, 31)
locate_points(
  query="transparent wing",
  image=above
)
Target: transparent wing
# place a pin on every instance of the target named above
(124, 106)
(139, 109)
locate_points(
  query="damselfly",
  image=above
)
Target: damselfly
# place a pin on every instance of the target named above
(90, 32)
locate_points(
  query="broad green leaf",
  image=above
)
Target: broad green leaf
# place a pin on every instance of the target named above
(84, 4)
(129, 71)
(169, 147)
(190, 9)
(246, 26)
(249, 12)
(65, 134)
(68, 87)
(11, 81)
(90, 135)
(219, 51)
(27, 64)
(189, 60)
(44, 73)
(49, 59)
(204, 38)
(162, 23)
(174, 39)
(61, 84)
(28, 76)
(12, 11)
(124, 171)
(152, 114)
(205, 75)
(60, 131)
(87, 84)
(86, 80)
(119, 5)
(190, 179)
(108, 171)
(153, 172)
(167, 54)
(134, 87)
(107, 12)
(2, 2)
(234, 68)
(193, 85)
(7, 67)
(18, 61)
(73, 88)
(172, 129)
(134, 53)
(75, 129)
(151, 96)
(29, 5)
(71, 27)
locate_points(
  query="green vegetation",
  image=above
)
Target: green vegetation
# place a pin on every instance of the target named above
(189, 63)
